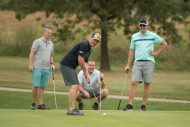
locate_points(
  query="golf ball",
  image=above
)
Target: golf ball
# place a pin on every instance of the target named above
(103, 114)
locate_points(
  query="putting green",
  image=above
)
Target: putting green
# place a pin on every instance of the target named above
(58, 118)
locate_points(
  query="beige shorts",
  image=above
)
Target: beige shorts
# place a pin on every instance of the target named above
(143, 71)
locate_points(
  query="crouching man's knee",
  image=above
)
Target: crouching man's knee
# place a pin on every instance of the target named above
(105, 92)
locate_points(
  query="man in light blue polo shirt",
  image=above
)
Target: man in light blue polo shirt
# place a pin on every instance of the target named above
(40, 63)
(142, 55)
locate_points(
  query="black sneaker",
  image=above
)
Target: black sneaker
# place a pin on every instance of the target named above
(143, 107)
(95, 106)
(128, 107)
(33, 106)
(42, 106)
(81, 106)
(75, 112)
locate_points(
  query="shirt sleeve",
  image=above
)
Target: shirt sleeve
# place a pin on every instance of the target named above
(80, 76)
(83, 49)
(158, 39)
(98, 75)
(35, 46)
(132, 45)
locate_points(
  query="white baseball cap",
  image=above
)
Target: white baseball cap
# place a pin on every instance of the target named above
(96, 36)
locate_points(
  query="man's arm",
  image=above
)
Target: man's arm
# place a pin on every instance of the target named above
(30, 62)
(103, 85)
(51, 59)
(51, 63)
(130, 60)
(162, 47)
(81, 88)
(84, 68)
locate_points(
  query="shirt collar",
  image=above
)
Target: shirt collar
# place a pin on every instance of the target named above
(93, 72)
(88, 44)
(44, 40)
(143, 34)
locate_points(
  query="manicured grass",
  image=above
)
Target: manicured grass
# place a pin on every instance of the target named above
(58, 118)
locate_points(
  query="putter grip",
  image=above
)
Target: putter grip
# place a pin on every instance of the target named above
(52, 73)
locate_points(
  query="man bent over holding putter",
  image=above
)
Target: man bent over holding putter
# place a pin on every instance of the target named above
(77, 56)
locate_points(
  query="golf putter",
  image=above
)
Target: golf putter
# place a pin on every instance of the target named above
(53, 79)
(125, 82)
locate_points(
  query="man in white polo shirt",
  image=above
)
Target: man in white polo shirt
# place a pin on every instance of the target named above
(88, 90)
(141, 59)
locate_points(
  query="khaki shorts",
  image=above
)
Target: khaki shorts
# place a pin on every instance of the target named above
(93, 93)
(143, 71)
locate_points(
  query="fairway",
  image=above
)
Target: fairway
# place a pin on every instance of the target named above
(114, 118)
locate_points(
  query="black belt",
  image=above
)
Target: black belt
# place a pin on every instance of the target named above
(143, 60)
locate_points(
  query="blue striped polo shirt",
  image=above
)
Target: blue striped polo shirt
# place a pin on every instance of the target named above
(142, 44)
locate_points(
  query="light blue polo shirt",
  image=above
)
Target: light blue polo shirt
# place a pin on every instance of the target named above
(43, 50)
(142, 44)
(94, 80)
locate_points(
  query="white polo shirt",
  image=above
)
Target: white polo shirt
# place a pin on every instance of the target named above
(94, 80)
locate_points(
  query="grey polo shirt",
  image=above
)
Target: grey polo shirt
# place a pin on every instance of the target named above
(94, 80)
(43, 50)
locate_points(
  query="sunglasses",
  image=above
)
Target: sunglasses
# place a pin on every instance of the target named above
(96, 40)
(142, 25)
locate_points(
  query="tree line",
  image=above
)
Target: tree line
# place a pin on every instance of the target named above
(107, 16)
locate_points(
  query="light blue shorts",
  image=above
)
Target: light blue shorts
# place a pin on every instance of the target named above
(40, 77)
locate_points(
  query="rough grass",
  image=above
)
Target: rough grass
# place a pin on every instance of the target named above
(167, 84)
(19, 100)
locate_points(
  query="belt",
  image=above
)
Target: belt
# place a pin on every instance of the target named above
(142, 60)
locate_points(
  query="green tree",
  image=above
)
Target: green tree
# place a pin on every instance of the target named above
(108, 15)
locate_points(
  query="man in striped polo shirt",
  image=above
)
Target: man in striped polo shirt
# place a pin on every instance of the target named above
(141, 55)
